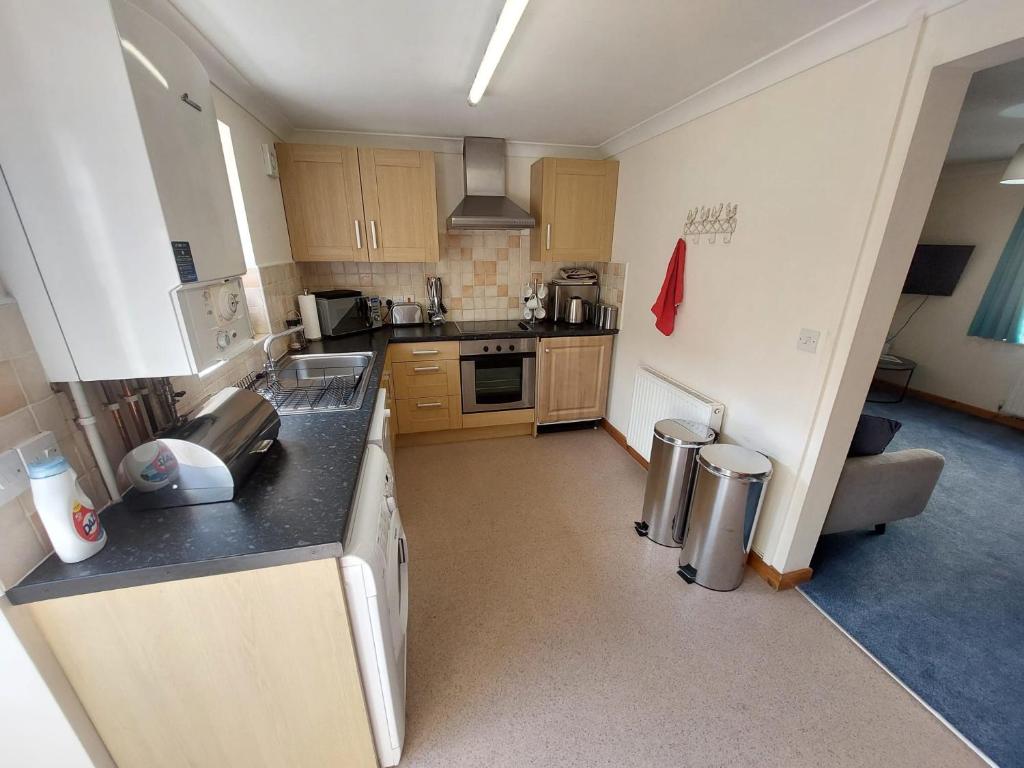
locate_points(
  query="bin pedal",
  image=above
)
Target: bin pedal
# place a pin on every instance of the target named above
(641, 528)
(687, 573)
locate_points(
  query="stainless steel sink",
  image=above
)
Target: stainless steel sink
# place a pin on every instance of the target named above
(322, 383)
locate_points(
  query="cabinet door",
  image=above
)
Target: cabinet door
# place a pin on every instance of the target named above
(577, 209)
(400, 200)
(572, 378)
(322, 202)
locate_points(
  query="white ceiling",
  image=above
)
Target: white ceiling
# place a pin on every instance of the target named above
(576, 72)
(991, 122)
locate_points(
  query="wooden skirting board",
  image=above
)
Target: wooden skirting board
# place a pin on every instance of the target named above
(982, 413)
(776, 580)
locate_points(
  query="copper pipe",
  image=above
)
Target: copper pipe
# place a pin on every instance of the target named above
(132, 400)
(112, 405)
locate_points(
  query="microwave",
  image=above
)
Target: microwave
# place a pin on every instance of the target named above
(342, 312)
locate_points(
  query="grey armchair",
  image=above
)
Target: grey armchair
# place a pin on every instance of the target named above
(875, 490)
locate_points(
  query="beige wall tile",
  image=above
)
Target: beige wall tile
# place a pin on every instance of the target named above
(21, 549)
(11, 396)
(16, 428)
(32, 377)
(14, 338)
(49, 416)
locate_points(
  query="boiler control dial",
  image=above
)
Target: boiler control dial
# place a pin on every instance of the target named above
(223, 339)
(227, 302)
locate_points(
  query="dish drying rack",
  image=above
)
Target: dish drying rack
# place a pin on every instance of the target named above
(290, 393)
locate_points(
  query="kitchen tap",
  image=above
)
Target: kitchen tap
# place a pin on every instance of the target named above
(270, 366)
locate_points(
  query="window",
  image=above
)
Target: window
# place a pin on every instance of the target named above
(1000, 315)
(236, 194)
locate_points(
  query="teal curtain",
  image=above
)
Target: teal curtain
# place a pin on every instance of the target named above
(1000, 315)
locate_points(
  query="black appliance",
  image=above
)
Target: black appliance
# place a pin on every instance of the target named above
(936, 269)
(345, 311)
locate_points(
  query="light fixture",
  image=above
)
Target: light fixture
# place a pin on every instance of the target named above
(503, 30)
(1015, 170)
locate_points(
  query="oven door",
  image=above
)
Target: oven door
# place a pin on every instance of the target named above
(498, 382)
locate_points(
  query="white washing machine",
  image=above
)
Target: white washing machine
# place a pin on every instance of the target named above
(375, 569)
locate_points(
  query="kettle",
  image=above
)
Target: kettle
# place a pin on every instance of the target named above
(577, 310)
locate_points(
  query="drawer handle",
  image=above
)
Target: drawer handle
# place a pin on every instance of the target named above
(426, 352)
(425, 368)
(428, 405)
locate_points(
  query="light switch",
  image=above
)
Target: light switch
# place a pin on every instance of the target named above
(807, 341)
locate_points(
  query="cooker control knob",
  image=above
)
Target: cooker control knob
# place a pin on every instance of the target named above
(486, 348)
(498, 348)
(511, 347)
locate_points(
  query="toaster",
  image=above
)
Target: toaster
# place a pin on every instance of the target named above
(406, 313)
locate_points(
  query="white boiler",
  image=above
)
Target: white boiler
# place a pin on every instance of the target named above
(117, 231)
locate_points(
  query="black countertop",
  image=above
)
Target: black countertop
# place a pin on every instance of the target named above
(294, 507)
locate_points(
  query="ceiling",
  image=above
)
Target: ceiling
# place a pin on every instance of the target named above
(991, 122)
(576, 71)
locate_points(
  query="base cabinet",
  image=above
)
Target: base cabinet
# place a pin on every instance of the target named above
(236, 670)
(572, 378)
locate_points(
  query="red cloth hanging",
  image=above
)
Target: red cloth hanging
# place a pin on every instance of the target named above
(671, 295)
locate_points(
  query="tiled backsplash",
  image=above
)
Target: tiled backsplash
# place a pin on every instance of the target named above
(483, 273)
(28, 406)
(270, 292)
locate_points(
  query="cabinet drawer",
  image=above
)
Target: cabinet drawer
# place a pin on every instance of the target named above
(428, 414)
(424, 350)
(426, 378)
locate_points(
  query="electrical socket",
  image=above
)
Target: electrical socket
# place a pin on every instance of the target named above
(14, 464)
(807, 341)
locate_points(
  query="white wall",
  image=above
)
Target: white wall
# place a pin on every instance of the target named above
(261, 193)
(802, 159)
(42, 723)
(970, 207)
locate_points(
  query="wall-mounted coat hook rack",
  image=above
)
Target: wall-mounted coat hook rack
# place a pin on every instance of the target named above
(714, 221)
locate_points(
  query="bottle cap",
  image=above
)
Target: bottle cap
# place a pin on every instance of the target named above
(48, 467)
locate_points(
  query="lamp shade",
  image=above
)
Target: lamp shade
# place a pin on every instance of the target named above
(1015, 170)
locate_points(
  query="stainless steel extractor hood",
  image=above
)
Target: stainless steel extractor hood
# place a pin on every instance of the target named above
(485, 205)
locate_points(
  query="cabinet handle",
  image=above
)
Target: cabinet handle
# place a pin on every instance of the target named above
(548, 238)
(428, 405)
(359, 237)
(373, 234)
(425, 352)
(424, 368)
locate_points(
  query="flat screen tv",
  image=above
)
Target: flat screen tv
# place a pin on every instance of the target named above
(936, 269)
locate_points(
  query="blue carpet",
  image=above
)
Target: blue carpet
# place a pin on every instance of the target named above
(939, 599)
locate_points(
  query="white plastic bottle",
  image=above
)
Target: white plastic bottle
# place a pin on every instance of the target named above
(68, 515)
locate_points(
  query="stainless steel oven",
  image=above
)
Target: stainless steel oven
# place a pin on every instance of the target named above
(498, 374)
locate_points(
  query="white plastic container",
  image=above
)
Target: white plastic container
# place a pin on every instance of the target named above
(68, 515)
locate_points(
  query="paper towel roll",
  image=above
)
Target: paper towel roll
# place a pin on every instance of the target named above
(307, 308)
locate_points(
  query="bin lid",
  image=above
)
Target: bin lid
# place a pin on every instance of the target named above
(688, 434)
(735, 461)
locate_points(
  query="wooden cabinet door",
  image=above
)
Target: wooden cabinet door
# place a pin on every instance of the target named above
(322, 202)
(576, 208)
(400, 201)
(572, 378)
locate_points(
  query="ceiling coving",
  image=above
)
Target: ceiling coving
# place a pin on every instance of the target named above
(576, 72)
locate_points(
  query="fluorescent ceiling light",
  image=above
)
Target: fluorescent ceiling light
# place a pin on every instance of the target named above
(1015, 170)
(145, 62)
(503, 30)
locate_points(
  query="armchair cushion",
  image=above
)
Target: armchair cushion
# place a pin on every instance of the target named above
(872, 435)
(883, 488)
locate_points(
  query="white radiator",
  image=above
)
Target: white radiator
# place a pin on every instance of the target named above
(656, 397)
(1014, 404)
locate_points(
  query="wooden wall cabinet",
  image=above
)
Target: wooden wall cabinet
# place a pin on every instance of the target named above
(573, 202)
(344, 204)
(572, 378)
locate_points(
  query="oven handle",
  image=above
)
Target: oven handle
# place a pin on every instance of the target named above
(493, 356)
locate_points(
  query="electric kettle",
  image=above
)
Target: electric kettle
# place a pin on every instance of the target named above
(577, 310)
